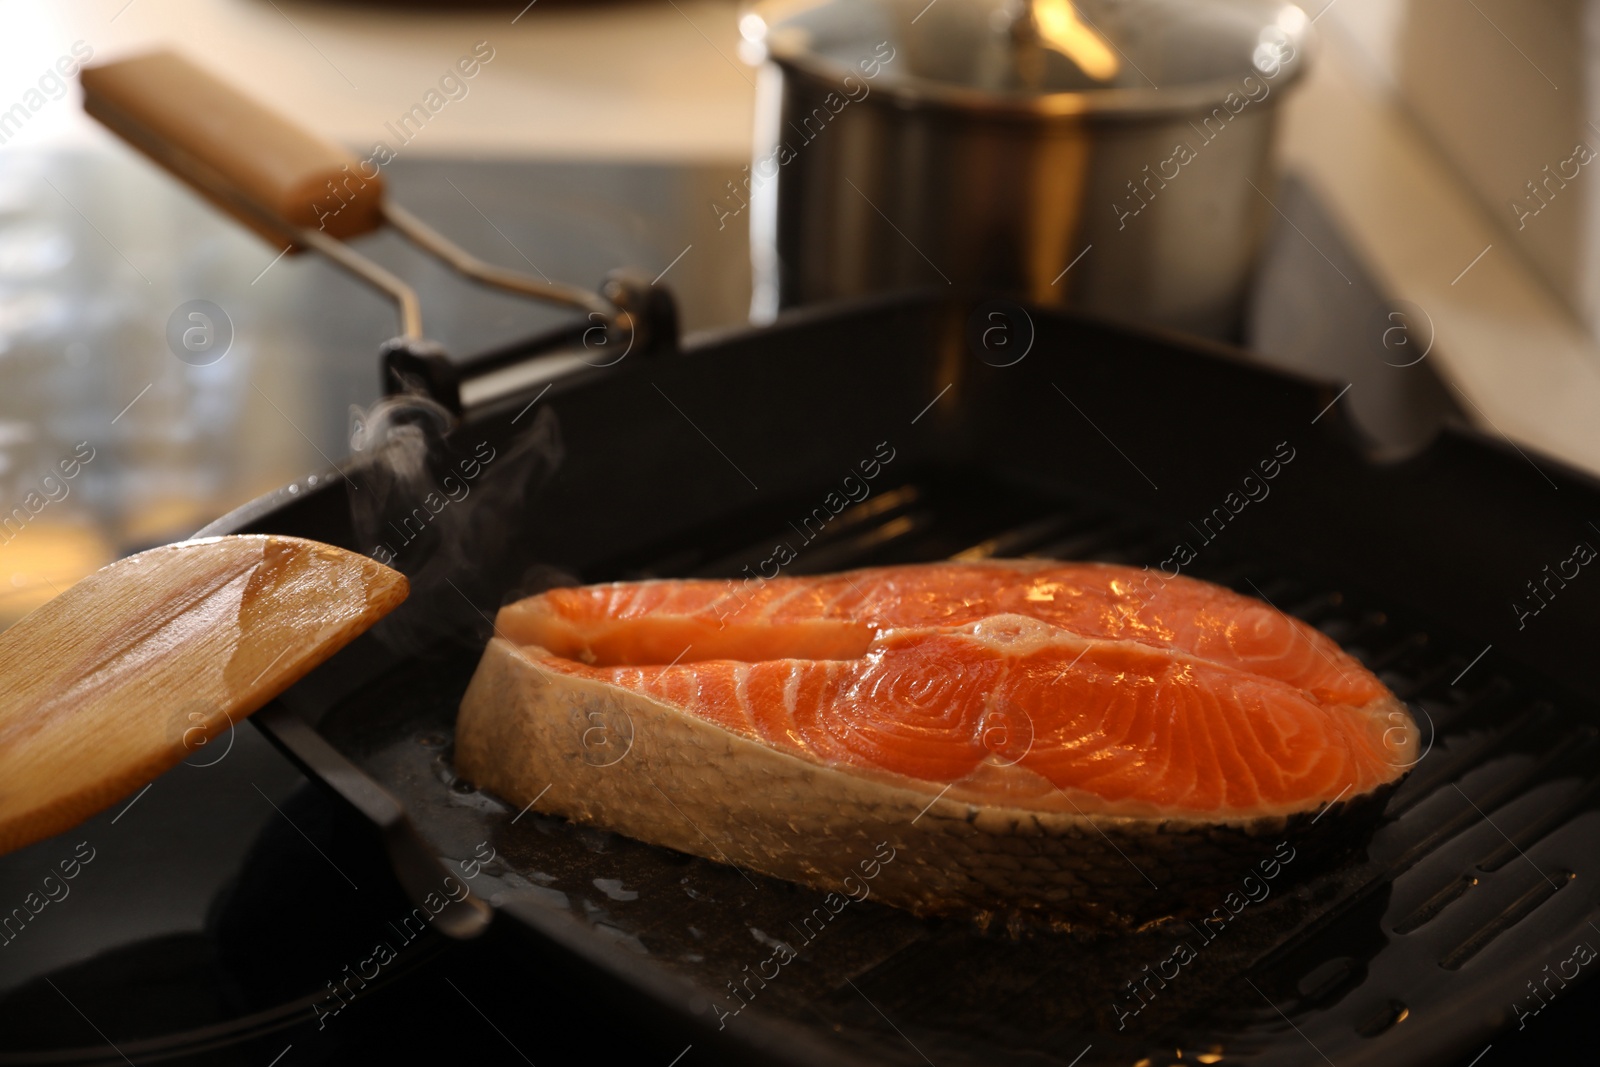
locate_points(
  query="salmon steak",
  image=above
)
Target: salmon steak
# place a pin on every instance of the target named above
(1083, 740)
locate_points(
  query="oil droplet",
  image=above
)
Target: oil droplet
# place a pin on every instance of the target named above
(612, 887)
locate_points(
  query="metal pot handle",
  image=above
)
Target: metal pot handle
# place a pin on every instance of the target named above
(280, 180)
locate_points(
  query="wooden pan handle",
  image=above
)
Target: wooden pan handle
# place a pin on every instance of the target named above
(268, 173)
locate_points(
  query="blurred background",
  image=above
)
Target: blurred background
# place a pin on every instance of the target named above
(602, 135)
(1429, 238)
(595, 137)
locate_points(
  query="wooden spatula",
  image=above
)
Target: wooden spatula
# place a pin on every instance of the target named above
(125, 674)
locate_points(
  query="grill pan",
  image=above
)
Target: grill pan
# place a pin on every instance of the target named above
(1101, 443)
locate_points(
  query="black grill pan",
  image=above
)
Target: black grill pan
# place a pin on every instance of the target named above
(1103, 443)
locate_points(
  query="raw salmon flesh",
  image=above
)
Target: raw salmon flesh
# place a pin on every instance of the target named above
(999, 722)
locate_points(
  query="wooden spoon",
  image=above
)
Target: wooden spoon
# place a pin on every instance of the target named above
(131, 670)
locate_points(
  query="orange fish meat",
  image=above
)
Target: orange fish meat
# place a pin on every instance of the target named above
(996, 712)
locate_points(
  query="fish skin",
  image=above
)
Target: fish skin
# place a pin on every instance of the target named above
(614, 759)
(984, 828)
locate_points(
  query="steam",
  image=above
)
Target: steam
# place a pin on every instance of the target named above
(449, 507)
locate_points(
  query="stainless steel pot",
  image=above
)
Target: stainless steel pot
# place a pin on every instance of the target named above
(1109, 155)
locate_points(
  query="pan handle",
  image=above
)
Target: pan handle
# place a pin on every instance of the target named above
(423, 878)
(294, 188)
(264, 170)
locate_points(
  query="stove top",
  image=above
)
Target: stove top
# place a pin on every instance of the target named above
(231, 912)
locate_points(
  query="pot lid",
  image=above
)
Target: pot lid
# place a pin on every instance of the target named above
(1040, 56)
